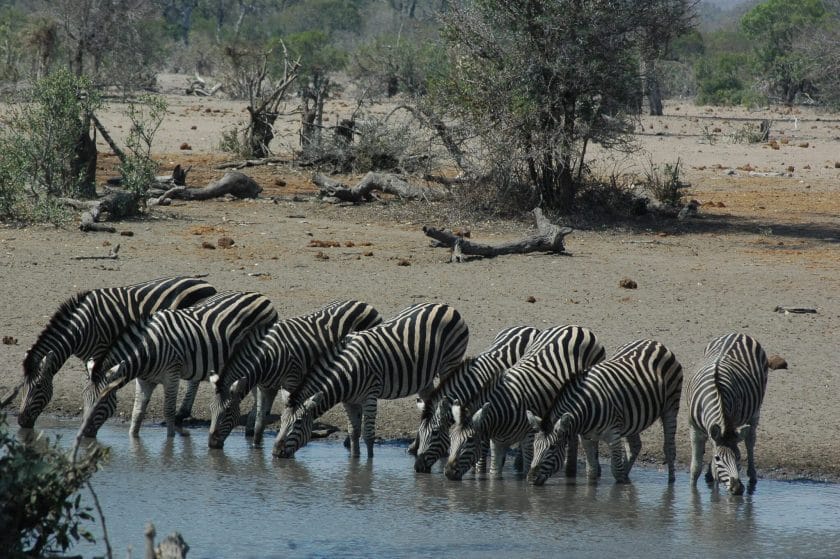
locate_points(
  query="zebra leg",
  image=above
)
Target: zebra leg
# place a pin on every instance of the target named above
(262, 408)
(698, 448)
(618, 458)
(170, 399)
(142, 395)
(354, 427)
(571, 457)
(593, 466)
(749, 442)
(632, 446)
(369, 426)
(497, 458)
(669, 443)
(518, 461)
(481, 463)
(185, 410)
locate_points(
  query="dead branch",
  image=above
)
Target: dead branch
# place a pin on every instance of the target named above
(549, 238)
(7, 399)
(234, 183)
(252, 163)
(112, 255)
(114, 147)
(383, 182)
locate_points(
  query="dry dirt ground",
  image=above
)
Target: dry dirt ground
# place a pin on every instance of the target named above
(758, 242)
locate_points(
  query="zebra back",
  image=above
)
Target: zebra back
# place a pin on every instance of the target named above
(199, 339)
(87, 325)
(727, 388)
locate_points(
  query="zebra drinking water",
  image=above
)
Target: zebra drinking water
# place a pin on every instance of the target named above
(88, 323)
(398, 358)
(172, 344)
(553, 358)
(280, 359)
(613, 401)
(470, 382)
(724, 400)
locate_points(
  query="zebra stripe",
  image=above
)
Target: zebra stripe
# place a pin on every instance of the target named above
(554, 357)
(280, 359)
(724, 400)
(398, 358)
(614, 400)
(471, 381)
(172, 344)
(88, 323)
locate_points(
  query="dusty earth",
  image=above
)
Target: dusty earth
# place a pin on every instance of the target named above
(759, 241)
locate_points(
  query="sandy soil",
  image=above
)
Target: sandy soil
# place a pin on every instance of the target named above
(759, 242)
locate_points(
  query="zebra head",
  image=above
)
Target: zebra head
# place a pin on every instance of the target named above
(100, 399)
(727, 457)
(38, 388)
(224, 411)
(433, 434)
(464, 440)
(549, 447)
(296, 426)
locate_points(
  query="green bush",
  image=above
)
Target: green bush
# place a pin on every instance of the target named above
(38, 158)
(666, 183)
(720, 79)
(139, 169)
(40, 506)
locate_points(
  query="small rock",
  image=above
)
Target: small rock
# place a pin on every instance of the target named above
(804, 145)
(777, 362)
(790, 168)
(127, 233)
(279, 182)
(627, 283)
(185, 145)
(349, 244)
(208, 245)
(225, 242)
(369, 253)
(323, 244)
(193, 127)
(404, 262)
(531, 299)
(10, 340)
(321, 256)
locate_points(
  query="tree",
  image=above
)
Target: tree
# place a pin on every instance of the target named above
(538, 80)
(774, 26)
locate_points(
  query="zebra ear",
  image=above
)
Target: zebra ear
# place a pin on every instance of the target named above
(715, 433)
(744, 432)
(534, 420)
(237, 389)
(478, 416)
(48, 364)
(563, 424)
(457, 413)
(284, 396)
(421, 405)
(313, 401)
(214, 382)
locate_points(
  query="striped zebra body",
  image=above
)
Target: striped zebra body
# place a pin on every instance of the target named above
(614, 401)
(173, 344)
(724, 400)
(280, 359)
(87, 324)
(396, 359)
(553, 358)
(470, 382)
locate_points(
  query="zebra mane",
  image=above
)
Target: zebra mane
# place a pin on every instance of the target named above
(728, 428)
(66, 309)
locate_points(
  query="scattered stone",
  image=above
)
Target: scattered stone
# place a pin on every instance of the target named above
(804, 145)
(368, 253)
(106, 243)
(321, 256)
(10, 340)
(531, 299)
(777, 362)
(837, 164)
(627, 283)
(208, 245)
(317, 243)
(404, 262)
(193, 127)
(790, 168)
(279, 182)
(349, 244)
(224, 242)
(127, 233)
(185, 145)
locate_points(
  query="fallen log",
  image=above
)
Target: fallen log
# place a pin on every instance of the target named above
(549, 238)
(252, 163)
(234, 183)
(113, 254)
(117, 204)
(382, 182)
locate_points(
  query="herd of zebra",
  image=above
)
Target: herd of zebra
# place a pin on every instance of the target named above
(544, 390)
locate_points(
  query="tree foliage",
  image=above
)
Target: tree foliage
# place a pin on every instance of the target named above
(538, 81)
(40, 506)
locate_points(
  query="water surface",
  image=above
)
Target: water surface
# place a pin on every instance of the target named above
(240, 502)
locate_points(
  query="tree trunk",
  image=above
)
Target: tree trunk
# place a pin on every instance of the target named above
(383, 182)
(652, 90)
(83, 165)
(260, 132)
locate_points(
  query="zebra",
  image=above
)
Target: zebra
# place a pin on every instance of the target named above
(280, 359)
(554, 357)
(613, 401)
(724, 400)
(86, 324)
(400, 357)
(472, 379)
(186, 343)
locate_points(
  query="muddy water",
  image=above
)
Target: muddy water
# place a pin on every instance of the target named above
(239, 502)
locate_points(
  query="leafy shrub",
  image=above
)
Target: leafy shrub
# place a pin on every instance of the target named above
(40, 506)
(138, 170)
(720, 79)
(665, 182)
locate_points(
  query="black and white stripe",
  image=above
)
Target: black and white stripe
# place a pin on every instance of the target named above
(88, 323)
(187, 343)
(467, 384)
(613, 401)
(724, 400)
(280, 359)
(553, 358)
(396, 359)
